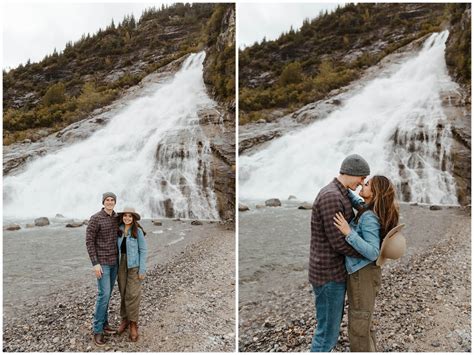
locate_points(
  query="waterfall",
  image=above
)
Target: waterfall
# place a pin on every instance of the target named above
(153, 155)
(396, 123)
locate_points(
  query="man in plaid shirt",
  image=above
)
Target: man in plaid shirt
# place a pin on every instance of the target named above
(101, 242)
(327, 272)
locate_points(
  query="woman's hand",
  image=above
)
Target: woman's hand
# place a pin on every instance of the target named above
(341, 224)
(141, 277)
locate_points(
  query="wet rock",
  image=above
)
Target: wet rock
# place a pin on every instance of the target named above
(156, 222)
(273, 202)
(305, 206)
(196, 223)
(168, 207)
(243, 207)
(58, 215)
(74, 224)
(435, 208)
(12, 227)
(291, 197)
(41, 222)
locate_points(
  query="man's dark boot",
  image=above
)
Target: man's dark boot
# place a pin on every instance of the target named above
(108, 330)
(133, 331)
(99, 339)
(123, 326)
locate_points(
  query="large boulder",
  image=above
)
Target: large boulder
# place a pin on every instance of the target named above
(243, 207)
(273, 202)
(12, 227)
(305, 206)
(41, 222)
(75, 224)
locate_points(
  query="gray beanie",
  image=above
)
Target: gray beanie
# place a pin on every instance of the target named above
(108, 194)
(355, 165)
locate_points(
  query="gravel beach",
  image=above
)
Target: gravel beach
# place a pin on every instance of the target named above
(423, 306)
(188, 304)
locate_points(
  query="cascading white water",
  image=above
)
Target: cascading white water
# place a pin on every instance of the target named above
(153, 155)
(396, 123)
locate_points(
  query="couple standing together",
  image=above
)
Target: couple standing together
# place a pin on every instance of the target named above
(116, 246)
(343, 254)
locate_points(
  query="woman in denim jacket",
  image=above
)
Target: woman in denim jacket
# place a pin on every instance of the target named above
(132, 268)
(378, 214)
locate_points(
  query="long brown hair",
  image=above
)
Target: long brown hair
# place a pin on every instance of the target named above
(135, 225)
(383, 204)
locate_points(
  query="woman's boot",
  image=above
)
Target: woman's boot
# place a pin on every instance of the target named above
(133, 331)
(123, 326)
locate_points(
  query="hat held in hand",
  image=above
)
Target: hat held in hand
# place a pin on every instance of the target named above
(393, 245)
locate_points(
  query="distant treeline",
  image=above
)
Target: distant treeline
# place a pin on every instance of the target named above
(64, 87)
(333, 49)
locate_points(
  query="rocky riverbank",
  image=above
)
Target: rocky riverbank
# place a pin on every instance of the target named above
(424, 304)
(188, 304)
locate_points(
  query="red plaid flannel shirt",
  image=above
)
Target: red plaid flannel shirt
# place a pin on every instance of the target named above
(328, 244)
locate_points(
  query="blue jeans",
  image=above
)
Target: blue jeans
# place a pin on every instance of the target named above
(329, 299)
(105, 285)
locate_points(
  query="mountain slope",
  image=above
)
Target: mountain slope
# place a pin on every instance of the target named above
(41, 98)
(332, 50)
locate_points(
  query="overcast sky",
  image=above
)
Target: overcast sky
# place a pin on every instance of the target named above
(32, 30)
(258, 20)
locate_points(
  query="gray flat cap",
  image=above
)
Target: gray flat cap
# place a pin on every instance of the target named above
(355, 165)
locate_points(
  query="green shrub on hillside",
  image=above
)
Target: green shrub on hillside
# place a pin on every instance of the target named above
(291, 74)
(54, 95)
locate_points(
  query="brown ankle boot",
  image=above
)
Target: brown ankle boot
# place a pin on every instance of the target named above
(123, 326)
(133, 331)
(99, 339)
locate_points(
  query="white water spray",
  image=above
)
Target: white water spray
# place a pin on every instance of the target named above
(397, 124)
(153, 155)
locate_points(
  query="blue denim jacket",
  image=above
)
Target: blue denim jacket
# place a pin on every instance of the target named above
(136, 250)
(364, 237)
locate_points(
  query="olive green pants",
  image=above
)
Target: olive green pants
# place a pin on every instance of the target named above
(130, 290)
(362, 288)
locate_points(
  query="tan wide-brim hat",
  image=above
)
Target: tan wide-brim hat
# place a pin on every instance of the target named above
(130, 210)
(393, 246)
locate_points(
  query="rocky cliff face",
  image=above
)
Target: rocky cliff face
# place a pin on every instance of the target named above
(219, 66)
(458, 59)
(458, 46)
